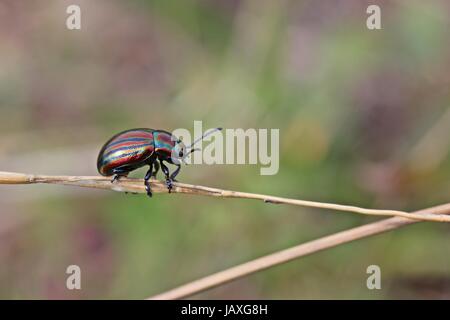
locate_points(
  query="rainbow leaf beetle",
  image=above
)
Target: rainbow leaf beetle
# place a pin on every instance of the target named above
(134, 148)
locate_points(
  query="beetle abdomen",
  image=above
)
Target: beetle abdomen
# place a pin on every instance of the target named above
(128, 149)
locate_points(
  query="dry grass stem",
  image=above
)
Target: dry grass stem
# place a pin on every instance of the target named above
(137, 186)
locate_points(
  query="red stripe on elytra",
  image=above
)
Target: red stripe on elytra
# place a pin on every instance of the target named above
(135, 134)
(137, 144)
(121, 161)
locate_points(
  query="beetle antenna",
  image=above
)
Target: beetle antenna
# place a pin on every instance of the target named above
(192, 150)
(202, 137)
(188, 153)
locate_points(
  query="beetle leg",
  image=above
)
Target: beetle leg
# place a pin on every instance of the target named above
(156, 169)
(165, 170)
(117, 176)
(175, 173)
(146, 180)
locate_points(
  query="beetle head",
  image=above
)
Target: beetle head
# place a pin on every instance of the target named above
(179, 152)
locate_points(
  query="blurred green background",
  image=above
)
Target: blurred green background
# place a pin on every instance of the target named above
(364, 119)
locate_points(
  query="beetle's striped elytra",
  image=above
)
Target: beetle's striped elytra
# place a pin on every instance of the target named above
(131, 147)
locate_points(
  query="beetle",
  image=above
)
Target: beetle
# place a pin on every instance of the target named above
(134, 148)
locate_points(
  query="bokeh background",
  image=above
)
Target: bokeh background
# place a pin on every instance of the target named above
(364, 119)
